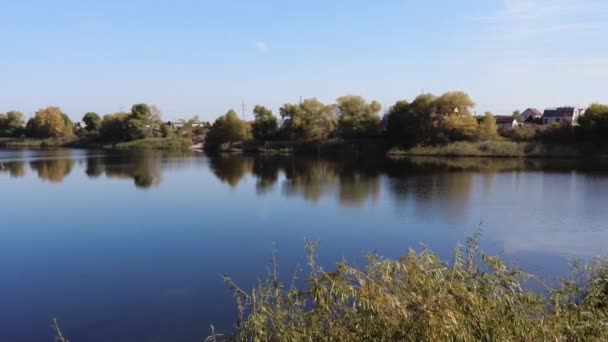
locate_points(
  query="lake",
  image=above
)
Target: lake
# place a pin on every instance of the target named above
(132, 245)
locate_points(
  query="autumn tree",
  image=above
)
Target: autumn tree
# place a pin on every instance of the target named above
(456, 123)
(357, 118)
(454, 103)
(309, 120)
(265, 125)
(50, 122)
(487, 128)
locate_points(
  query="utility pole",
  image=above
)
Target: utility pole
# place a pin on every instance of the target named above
(243, 108)
(300, 100)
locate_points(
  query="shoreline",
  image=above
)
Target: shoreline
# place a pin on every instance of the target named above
(83, 143)
(378, 148)
(361, 148)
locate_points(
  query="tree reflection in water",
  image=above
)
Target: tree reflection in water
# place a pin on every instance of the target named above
(16, 169)
(436, 186)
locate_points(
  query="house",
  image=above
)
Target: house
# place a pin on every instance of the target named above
(505, 122)
(177, 124)
(531, 116)
(562, 115)
(531, 113)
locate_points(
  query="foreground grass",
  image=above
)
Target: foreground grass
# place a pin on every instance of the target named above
(475, 297)
(419, 297)
(502, 149)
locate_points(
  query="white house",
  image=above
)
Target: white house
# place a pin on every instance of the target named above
(561, 115)
(506, 122)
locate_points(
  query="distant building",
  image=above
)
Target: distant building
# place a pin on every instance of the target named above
(531, 117)
(567, 115)
(531, 114)
(505, 122)
(177, 124)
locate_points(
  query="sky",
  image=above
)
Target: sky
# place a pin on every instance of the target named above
(206, 57)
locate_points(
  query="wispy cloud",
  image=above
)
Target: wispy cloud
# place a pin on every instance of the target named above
(531, 22)
(261, 46)
(533, 51)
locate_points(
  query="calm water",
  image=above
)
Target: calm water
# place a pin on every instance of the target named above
(130, 246)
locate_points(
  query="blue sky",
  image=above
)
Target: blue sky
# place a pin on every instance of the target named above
(205, 57)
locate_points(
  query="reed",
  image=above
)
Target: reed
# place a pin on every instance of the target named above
(419, 297)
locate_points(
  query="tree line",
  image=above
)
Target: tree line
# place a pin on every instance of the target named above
(427, 120)
(141, 122)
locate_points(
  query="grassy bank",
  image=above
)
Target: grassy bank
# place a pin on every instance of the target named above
(474, 297)
(505, 149)
(309, 147)
(36, 143)
(154, 143)
(148, 143)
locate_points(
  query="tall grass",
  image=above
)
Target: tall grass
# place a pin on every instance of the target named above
(498, 149)
(474, 297)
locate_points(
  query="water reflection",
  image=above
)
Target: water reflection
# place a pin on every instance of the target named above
(436, 186)
(143, 167)
(16, 169)
(175, 236)
(52, 170)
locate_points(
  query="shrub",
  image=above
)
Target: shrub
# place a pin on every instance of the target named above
(476, 297)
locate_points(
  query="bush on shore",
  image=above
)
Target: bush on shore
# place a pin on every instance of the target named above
(475, 297)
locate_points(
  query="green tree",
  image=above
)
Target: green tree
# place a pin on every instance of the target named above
(138, 122)
(357, 118)
(487, 128)
(50, 122)
(228, 128)
(114, 127)
(92, 121)
(594, 124)
(265, 126)
(310, 120)
(11, 124)
(154, 121)
(166, 131)
(517, 116)
(415, 123)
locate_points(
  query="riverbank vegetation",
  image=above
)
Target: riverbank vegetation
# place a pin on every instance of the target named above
(429, 125)
(142, 127)
(419, 297)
